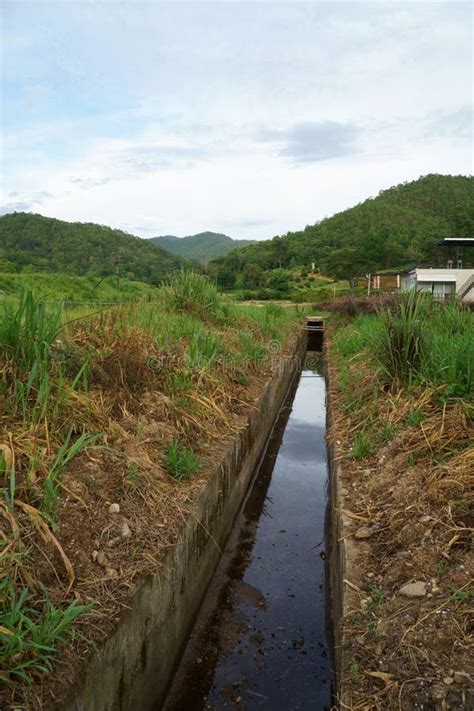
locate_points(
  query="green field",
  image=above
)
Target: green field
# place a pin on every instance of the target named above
(77, 289)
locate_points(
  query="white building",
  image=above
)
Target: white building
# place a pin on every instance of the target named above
(440, 283)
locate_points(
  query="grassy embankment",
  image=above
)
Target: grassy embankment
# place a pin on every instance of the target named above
(405, 414)
(74, 289)
(130, 408)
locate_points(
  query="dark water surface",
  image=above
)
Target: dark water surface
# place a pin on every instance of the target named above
(261, 639)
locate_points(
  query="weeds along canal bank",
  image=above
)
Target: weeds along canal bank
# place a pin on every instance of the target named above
(128, 438)
(401, 443)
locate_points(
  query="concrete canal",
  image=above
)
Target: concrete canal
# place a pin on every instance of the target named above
(261, 640)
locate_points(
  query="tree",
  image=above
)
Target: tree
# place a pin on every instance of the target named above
(348, 263)
(225, 278)
(252, 275)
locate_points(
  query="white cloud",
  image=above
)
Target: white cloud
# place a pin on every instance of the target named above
(251, 118)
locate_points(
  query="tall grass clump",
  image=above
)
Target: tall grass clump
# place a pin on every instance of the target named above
(449, 355)
(27, 329)
(188, 291)
(203, 350)
(415, 342)
(402, 340)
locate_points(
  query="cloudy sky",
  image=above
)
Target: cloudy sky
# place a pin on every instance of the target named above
(246, 118)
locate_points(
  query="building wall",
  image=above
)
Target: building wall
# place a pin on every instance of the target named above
(462, 275)
(438, 288)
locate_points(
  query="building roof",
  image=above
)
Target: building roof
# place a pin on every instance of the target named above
(460, 241)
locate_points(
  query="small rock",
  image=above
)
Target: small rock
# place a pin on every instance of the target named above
(417, 589)
(448, 680)
(111, 573)
(461, 677)
(125, 531)
(114, 508)
(102, 559)
(425, 519)
(371, 575)
(114, 542)
(94, 555)
(364, 532)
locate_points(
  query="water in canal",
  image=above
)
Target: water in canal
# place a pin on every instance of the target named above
(261, 640)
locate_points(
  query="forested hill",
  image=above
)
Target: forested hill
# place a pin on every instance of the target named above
(201, 247)
(399, 227)
(31, 242)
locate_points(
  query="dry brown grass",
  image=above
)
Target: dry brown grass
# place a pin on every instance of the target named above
(82, 554)
(414, 492)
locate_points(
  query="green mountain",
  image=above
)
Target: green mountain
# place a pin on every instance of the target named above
(398, 227)
(33, 243)
(201, 247)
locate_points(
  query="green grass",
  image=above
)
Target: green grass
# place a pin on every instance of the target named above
(362, 447)
(191, 292)
(68, 450)
(180, 461)
(67, 288)
(417, 343)
(251, 350)
(59, 365)
(30, 637)
(27, 329)
(203, 350)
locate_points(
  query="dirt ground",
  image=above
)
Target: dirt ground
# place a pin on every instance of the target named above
(407, 627)
(119, 514)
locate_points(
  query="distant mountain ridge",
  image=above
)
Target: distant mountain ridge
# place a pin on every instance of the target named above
(400, 226)
(201, 247)
(30, 242)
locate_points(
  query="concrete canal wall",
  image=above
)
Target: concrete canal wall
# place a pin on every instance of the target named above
(135, 665)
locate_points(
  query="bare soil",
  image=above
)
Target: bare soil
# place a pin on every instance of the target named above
(408, 508)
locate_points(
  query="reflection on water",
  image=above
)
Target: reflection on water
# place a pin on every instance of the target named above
(261, 641)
